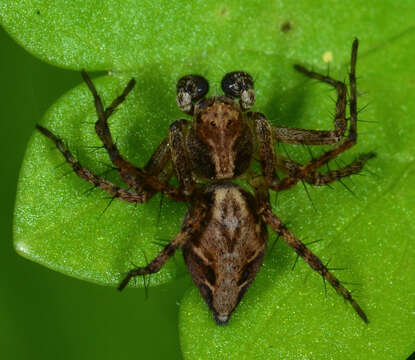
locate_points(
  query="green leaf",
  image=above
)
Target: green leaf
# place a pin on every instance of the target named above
(125, 35)
(284, 314)
(65, 224)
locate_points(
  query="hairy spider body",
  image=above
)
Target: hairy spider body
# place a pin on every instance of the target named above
(223, 235)
(224, 256)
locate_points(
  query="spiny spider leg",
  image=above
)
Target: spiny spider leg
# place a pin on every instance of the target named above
(308, 256)
(318, 137)
(88, 175)
(309, 168)
(158, 169)
(118, 100)
(190, 225)
(194, 217)
(270, 161)
(133, 176)
(316, 178)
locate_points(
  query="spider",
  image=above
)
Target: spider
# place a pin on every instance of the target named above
(224, 234)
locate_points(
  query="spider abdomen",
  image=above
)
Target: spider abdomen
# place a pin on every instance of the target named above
(224, 257)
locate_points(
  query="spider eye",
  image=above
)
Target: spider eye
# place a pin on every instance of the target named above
(234, 83)
(190, 88)
(239, 84)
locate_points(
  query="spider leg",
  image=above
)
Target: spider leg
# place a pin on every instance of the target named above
(271, 161)
(311, 259)
(308, 256)
(266, 151)
(309, 168)
(179, 157)
(190, 225)
(94, 179)
(322, 137)
(316, 178)
(134, 177)
(159, 166)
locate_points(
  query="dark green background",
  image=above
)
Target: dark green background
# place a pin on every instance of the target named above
(44, 314)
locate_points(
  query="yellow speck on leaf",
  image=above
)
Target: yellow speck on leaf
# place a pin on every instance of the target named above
(327, 57)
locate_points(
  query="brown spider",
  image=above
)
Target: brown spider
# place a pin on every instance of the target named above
(224, 233)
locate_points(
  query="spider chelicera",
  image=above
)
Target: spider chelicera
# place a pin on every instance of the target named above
(223, 235)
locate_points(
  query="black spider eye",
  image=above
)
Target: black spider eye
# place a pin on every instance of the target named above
(190, 88)
(194, 85)
(236, 82)
(239, 84)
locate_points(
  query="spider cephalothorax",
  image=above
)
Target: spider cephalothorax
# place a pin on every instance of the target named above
(223, 235)
(221, 136)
